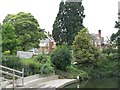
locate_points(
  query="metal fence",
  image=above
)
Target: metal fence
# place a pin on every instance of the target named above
(14, 73)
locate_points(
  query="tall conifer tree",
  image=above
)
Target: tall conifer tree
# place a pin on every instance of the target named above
(68, 22)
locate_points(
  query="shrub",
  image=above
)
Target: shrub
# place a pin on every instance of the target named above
(107, 68)
(41, 58)
(7, 52)
(46, 68)
(12, 61)
(112, 56)
(109, 50)
(61, 57)
(30, 66)
(74, 72)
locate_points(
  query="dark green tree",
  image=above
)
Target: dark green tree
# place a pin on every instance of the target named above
(117, 25)
(61, 57)
(68, 22)
(26, 30)
(116, 36)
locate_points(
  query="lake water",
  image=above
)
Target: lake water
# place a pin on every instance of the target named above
(97, 83)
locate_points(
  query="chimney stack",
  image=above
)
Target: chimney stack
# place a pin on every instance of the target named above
(99, 34)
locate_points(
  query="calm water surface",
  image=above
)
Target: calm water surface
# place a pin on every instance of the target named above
(97, 83)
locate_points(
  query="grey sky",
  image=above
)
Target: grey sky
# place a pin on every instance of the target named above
(100, 14)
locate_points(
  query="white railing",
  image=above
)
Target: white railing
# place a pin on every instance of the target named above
(13, 73)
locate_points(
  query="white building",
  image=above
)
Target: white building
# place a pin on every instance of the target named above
(97, 39)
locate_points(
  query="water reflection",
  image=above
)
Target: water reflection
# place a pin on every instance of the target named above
(98, 83)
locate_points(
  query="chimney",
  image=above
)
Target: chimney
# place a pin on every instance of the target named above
(99, 34)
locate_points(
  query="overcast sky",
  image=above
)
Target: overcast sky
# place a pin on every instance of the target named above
(100, 14)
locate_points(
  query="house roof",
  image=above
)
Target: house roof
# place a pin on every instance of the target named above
(96, 38)
(45, 41)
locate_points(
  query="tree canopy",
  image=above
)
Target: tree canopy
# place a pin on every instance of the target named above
(68, 22)
(117, 25)
(115, 35)
(21, 32)
(84, 52)
(61, 57)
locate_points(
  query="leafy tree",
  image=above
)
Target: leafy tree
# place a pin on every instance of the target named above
(25, 28)
(84, 52)
(117, 25)
(68, 22)
(9, 38)
(115, 35)
(61, 57)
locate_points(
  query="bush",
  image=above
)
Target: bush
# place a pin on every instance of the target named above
(61, 57)
(7, 52)
(112, 56)
(74, 72)
(12, 61)
(46, 68)
(105, 69)
(109, 50)
(40, 58)
(30, 66)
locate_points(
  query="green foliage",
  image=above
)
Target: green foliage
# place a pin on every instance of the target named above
(47, 68)
(105, 69)
(110, 53)
(20, 32)
(117, 25)
(68, 22)
(9, 38)
(11, 62)
(30, 66)
(41, 58)
(109, 50)
(7, 52)
(45, 64)
(112, 56)
(84, 52)
(74, 72)
(115, 35)
(61, 57)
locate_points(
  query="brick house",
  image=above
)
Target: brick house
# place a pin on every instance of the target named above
(46, 45)
(97, 39)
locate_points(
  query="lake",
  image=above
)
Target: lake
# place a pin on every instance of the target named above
(97, 83)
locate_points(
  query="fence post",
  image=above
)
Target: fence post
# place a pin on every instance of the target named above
(13, 79)
(23, 77)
